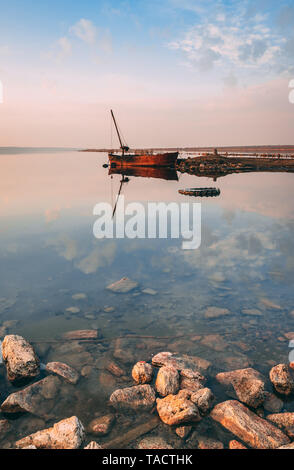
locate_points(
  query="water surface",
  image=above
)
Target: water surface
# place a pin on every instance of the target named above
(48, 255)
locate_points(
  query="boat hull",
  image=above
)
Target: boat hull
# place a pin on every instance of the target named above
(158, 160)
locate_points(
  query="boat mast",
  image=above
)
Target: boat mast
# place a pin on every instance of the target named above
(123, 147)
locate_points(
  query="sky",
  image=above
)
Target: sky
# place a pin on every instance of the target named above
(175, 72)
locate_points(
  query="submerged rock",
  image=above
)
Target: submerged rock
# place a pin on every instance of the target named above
(208, 443)
(238, 361)
(282, 379)
(252, 312)
(272, 403)
(247, 426)
(178, 409)
(69, 374)
(153, 442)
(248, 385)
(73, 310)
(184, 361)
(191, 380)
(81, 334)
(38, 398)
(149, 291)
(142, 372)
(204, 399)
(4, 427)
(20, 358)
(183, 431)
(167, 381)
(216, 312)
(102, 425)
(68, 433)
(236, 445)
(269, 304)
(284, 421)
(124, 356)
(139, 397)
(215, 342)
(114, 369)
(79, 296)
(122, 286)
(93, 445)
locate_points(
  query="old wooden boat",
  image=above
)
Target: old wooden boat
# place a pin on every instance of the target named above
(200, 192)
(167, 159)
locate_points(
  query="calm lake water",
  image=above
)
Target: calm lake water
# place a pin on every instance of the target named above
(48, 255)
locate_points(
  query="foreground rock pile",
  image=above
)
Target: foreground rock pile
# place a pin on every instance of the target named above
(176, 389)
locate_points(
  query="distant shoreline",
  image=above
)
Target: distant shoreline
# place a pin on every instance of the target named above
(229, 149)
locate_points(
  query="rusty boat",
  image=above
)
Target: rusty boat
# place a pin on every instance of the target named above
(140, 159)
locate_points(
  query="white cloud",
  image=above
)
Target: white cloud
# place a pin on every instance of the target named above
(241, 43)
(65, 47)
(85, 30)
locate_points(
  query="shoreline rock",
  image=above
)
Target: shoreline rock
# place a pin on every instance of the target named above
(20, 359)
(167, 381)
(38, 398)
(68, 433)
(178, 409)
(204, 399)
(190, 380)
(123, 286)
(248, 385)
(181, 362)
(281, 377)
(102, 425)
(69, 374)
(247, 426)
(142, 372)
(138, 397)
(284, 421)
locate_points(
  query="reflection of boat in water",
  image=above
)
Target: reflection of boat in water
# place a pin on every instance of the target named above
(146, 172)
(143, 159)
(200, 192)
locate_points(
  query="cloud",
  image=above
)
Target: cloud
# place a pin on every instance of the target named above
(61, 49)
(65, 47)
(65, 246)
(97, 258)
(85, 30)
(244, 43)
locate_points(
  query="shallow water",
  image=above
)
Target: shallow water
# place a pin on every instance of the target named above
(48, 254)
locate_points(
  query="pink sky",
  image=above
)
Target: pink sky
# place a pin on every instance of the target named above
(255, 115)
